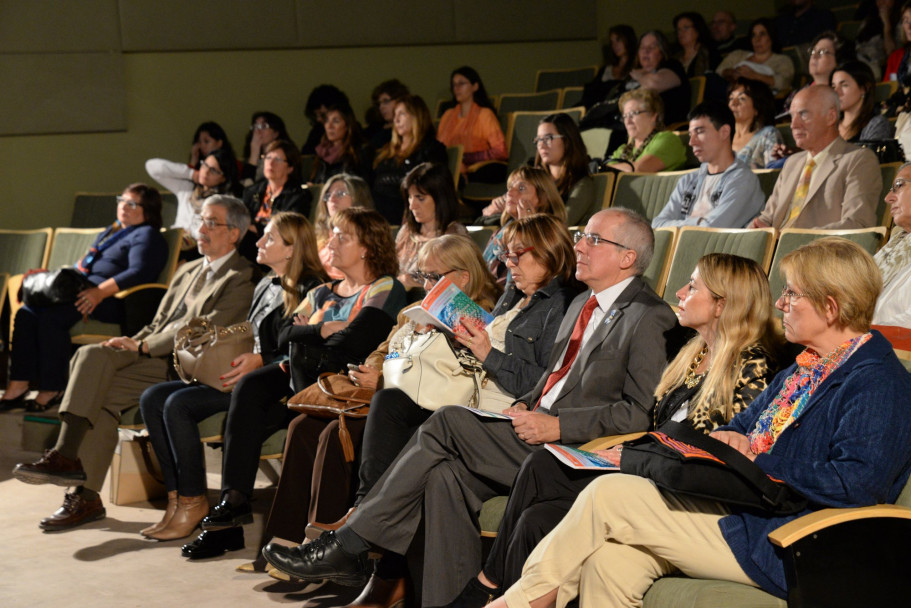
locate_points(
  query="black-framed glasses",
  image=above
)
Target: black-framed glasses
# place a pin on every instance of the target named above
(547, 140)
(130, 203)
(430, 277)
(212, 169)
(513, 256)
(594, 240)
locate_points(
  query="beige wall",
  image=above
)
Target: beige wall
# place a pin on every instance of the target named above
(657, 14)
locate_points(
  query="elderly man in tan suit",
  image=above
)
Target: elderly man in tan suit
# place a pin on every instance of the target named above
(108, 378)
(831, 184)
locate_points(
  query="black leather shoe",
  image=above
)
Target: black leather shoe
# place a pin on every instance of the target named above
(321, 559)
(224, 515)
(212, 544)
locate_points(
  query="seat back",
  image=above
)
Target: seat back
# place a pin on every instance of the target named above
(767, 179)
(694, 242)
(800, 59)
(645, 193)
(786, 136)
(888, 171)
(454, 161)
(884, 90)
(656, 273)
(571, 97)
(545, 80)
(791, 238)
(23, 250)
(168, 208)
(173, 237)
(69, 245)
(691, 161)
(604, 188)
(547, 101)
(94, 209)
(481, 234)
(596, 141)
(697, 90)
(849, 29)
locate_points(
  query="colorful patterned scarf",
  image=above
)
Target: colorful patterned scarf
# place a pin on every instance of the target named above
(795, 393)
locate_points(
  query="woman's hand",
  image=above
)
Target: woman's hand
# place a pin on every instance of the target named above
(477, 340)
(88, 299)
(495, 207)
(735, 440)
(612, 455)
(331, 327)
(365, 376)
(122, 343)
(534, 428)
(243, 364)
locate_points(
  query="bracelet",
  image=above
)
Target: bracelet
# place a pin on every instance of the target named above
(139, 348)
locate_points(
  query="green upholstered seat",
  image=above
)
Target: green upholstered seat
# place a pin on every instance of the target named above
(604, 188)
(571, 97)
(888, 171)
(23, 250)
(656, 273)
(645, 193)
(491, 513)
(596, 141)
(545, 80)
(545, 101)
(481, 234)
(767, 179)
(682, 592)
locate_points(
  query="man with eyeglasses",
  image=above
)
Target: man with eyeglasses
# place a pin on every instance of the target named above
(724, 192)
(108, 378)
(610, 349)
(831, 184)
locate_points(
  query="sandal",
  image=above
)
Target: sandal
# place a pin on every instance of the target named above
(33, 406)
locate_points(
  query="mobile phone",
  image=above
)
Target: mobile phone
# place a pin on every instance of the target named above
(353, 367)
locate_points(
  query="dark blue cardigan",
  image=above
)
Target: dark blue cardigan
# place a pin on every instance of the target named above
(133, 260)
(849, 448)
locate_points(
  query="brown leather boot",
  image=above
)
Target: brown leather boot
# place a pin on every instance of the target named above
(168, 514)
(315, 529)
(190, 511)
(380, 593)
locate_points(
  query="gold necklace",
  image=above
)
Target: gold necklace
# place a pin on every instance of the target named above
(692, 379)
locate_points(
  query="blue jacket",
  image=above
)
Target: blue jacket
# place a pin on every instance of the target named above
(133, 260)
(849, 448)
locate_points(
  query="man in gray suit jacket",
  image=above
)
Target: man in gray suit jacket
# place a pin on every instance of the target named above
(108, 378)
(458, 459)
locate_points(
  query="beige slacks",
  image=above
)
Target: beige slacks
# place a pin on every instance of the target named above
(103, 383)
(621, 534)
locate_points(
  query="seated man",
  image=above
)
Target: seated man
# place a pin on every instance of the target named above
(831, 184)
(722, 26)
(606, 361)
(108, 378)
(724, 192)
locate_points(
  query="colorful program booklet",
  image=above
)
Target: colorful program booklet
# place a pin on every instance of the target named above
(575, 458)
(445, 306)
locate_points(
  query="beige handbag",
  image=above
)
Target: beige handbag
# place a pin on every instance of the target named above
(203, 352)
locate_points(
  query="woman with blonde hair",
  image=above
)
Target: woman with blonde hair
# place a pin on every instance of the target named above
(172, 410)
(341, 191)
(413, 142)
(716, 374)
(649, 149)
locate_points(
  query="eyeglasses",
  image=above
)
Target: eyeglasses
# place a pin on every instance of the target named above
(335, 194)
(790, 296)
(130, 203)
(212, 169)
(343, 237)
(594, 240)
(513, 256)
(820, 52)
(547, 140)
(634, 114)
(211, 224)
(275, 159)
(430, 277)
(897, 185)
(260, 126)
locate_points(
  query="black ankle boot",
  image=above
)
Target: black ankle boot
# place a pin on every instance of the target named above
(474, 595)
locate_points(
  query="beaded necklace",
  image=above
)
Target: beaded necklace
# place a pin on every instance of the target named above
(812, 370)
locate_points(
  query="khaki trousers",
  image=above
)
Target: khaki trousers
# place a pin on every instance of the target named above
(103, 383)
(622, 534)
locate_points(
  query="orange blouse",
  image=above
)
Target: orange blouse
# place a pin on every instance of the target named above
(479, 133)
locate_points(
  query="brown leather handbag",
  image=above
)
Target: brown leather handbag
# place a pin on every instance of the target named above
(203, 351)
(334, 396)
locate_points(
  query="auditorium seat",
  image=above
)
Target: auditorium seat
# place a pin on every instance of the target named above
(548, 79)
(645, 193)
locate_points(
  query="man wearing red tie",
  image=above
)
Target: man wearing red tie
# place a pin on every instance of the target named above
(608, 356)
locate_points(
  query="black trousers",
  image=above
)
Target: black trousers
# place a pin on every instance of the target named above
(542, 494)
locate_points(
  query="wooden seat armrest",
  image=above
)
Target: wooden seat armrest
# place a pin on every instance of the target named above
(128, 292)
(484, 163)
(797, 529)
(603, 443)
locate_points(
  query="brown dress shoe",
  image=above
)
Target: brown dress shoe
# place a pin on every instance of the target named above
(53, 468)
(380, 593)
(74, 512)
(168, 514)
(315, 529)
(190, 511)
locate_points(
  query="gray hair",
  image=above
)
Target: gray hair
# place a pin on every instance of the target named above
(238, 215)
(637, 235)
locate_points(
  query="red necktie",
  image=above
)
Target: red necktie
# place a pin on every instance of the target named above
(575, 341)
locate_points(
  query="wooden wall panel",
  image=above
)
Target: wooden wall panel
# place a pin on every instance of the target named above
(48, 26)
(521, 20)
(351, 23)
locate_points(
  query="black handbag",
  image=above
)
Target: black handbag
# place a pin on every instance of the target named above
(681, 459)
(886, 150)
(60, 286)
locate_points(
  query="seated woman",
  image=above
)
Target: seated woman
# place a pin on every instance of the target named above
(763, 63)
(729, 361)
(432, 211)
(619, 55)
(217, 174)
(696, 53)
(829, 445)
(894, 259)
(649, 149)
(380, 116)
(172, 410)
(342, 191)
(265, 127)
(209, 136)
(827, 50)
(853, 81)
(319, 101)
(531, 190)
(755, 136)
(337, 323)
(656, 70)
(561, 151)
(130, 252)
(342, 149)
(514, 350)
(279, 190)
(897, 64)
(472, 123)
(452, 256)
(413, 142)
